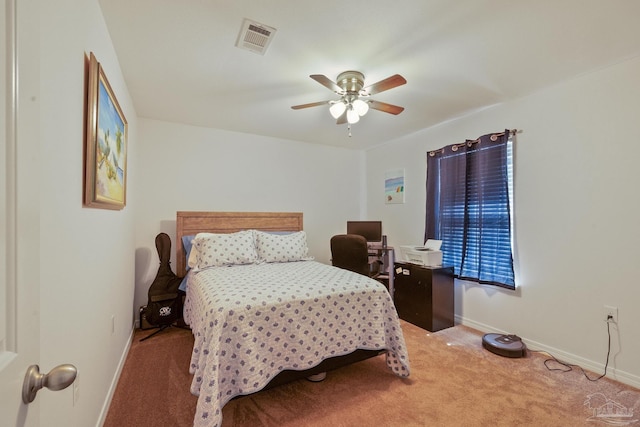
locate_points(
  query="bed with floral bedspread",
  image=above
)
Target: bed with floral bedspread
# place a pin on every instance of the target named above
(253, 320)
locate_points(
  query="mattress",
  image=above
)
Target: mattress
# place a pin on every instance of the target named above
(251, 322)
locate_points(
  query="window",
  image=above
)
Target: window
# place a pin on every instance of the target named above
(469, 189)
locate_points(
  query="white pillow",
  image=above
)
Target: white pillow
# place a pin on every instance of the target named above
(282, 247)
(192, 261)
(217, 250)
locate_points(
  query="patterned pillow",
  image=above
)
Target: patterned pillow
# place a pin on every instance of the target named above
(282, 248)
(216, 250)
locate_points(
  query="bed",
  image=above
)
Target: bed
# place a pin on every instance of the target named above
(263, 312)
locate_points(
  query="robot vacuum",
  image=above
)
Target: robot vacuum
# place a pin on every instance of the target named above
(504, 345)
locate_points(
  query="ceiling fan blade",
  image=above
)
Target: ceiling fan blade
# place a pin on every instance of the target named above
(312, 104)
(387, 108)
(342, 119)
(326, 82)
(386, 84)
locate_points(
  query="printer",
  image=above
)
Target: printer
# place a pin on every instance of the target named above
(428, 255)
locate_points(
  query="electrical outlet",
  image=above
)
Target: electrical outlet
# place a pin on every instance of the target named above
(610, 314)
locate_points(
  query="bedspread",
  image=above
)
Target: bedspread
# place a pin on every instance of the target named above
(251, 322)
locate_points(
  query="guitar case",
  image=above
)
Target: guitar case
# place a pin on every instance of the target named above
(164, 302)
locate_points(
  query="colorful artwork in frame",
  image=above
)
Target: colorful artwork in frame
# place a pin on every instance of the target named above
(105, 183)
(394, 186)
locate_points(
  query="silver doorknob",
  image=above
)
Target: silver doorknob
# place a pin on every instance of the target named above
(58, 378)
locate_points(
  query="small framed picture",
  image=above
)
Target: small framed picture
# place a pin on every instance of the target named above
(394, 186)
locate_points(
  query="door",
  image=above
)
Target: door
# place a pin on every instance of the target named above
(19, 209)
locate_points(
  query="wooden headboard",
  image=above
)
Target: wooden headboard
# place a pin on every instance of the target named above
(189, 223)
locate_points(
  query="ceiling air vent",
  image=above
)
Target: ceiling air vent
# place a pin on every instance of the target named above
(254, 36)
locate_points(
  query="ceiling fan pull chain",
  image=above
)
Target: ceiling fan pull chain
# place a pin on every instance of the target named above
(349, 129)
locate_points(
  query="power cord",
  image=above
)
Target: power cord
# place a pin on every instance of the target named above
(569, 367)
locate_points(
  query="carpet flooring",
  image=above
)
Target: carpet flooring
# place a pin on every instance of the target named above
(453, 382)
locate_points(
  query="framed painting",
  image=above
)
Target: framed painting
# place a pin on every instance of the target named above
(394, 186)
(105, 181)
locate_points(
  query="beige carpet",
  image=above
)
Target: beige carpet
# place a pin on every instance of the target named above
(453, 382)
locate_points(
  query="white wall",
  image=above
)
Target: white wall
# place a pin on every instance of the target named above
(186, 168)
(86, 255)
(90, 258)
(576, 208)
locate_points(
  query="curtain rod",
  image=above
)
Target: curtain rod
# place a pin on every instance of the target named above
(494, 137)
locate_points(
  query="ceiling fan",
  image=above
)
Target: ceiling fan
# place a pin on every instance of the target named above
(354, 101)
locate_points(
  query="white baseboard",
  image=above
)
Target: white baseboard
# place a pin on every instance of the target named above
(590, 365)
(114, 381)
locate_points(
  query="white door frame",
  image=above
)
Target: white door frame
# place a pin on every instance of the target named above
(19, 207)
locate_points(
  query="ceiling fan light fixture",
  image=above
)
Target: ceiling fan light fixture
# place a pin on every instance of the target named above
(337, 109)
(352, 116)
(354, 101)
(361, 107)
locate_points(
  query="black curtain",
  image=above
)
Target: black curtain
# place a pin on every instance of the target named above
(468, 208)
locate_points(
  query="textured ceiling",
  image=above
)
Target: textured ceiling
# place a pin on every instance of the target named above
(181, 65)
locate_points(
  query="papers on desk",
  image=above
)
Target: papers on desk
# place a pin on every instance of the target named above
(432, 245)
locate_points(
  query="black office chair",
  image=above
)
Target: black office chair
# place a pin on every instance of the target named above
(350, 251)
